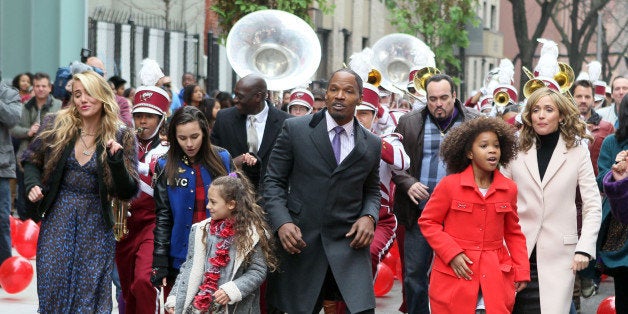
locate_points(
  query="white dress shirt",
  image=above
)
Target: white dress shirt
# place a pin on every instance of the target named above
(260, 123)
(347, 141)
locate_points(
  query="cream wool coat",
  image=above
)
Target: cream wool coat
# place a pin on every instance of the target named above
(547, 215)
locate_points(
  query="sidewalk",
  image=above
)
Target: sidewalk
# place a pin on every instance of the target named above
(26, 301)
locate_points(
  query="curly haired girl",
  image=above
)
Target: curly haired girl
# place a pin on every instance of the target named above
(229, 254)
(471, 214)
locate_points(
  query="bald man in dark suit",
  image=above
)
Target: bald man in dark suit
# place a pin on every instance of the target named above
(248, 130)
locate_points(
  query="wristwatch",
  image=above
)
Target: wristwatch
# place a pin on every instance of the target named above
(372, 219)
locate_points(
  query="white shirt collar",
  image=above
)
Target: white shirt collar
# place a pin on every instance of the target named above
(331, 124)
(261, 116)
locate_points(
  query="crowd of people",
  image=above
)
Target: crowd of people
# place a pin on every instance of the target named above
(237, 204)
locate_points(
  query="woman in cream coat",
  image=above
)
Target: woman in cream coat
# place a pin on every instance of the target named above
(550, 165)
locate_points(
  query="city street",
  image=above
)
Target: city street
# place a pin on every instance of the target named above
(26, 301)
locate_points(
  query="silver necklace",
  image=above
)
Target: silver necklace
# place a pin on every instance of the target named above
(86, 151)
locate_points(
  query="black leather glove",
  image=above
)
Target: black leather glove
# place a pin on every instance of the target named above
(157, 276)
(160, 270)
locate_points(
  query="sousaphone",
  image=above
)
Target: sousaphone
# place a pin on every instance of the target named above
(394, 56)
(277, 45)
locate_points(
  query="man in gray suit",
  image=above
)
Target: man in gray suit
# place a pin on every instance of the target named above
(322, 197)
(10, 113)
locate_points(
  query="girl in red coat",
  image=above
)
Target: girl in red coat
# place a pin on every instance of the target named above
(471, 223)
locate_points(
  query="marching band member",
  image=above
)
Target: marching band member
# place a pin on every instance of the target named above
(301, 102)
(134, 253)
(419, 99)
(394, 158)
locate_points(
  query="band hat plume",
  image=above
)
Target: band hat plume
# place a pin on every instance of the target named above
(150, 73)
(599, 86)
(360, 63)
(547, 67)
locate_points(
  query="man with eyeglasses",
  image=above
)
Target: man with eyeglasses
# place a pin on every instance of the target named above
(166, 84)
(248, 130)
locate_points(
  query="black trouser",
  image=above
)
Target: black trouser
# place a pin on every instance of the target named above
(527, 300)
(620, 278)
(20, 194)
(330, 291)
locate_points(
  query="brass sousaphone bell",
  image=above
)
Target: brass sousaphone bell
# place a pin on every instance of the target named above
(374, 78)
(565, 78)
(532, 84)
(277, 45)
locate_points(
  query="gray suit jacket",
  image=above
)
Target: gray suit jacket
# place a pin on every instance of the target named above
(305, 186)
(10, 113)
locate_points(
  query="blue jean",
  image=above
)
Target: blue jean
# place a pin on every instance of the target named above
(5, 224)
(417, 262)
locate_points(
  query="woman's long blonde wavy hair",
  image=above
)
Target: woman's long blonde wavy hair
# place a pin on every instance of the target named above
(572, 128)
(68, 123)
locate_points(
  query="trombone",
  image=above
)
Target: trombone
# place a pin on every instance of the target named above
(501, 98)
(422, 75)
(375, 78)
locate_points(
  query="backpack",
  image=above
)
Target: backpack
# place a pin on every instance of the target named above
(63, 76)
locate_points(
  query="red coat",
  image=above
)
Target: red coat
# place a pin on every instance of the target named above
(458, 219)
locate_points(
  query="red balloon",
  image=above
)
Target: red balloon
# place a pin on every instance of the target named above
(607, 306)
(26, 237)
(14, 224)
(399, 271)
(394, 250)
(390, 260)
(384, 281)
(16, 274)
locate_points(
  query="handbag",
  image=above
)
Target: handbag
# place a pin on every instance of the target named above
(613, 234)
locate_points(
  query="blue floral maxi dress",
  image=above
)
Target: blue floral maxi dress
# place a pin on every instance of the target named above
(75, 250)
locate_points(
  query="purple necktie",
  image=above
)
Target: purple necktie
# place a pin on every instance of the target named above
(335, 142)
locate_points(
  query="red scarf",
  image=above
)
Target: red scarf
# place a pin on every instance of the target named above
(224, 230)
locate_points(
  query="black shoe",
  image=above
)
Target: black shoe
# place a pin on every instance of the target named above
(587, 288)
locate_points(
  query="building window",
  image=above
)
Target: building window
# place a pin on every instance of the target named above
(493, 18)
(323, 37)
(346, 44)
(485, 15)
(475, 72)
